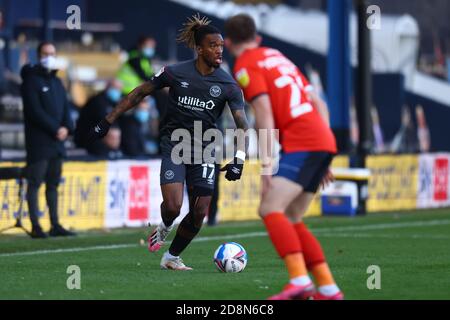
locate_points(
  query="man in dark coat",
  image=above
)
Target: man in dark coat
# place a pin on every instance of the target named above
(47, 125)
(133, 127)
(96, 108)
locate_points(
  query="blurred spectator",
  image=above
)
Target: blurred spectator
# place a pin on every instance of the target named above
(152, 134)
(354, 126)
(423, 133)
(133, 126)
(22, 44)
(139, 66)
(448, 69)
(377, 131)
(111, 145)
(47, 125)
(405, 141)
(135, 71)
(96, 109)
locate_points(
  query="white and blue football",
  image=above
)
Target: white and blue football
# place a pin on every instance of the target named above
(230, 257)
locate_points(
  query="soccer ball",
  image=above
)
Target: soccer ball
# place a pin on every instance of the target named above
(230, 257)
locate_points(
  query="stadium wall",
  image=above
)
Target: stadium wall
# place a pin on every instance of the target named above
(438, 118)
(389, 93)
(153, 17)
(95, 195)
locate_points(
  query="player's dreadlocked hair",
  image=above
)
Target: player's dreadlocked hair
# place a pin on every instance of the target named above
(195, 29)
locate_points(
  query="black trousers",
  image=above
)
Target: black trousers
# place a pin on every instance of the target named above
(48, 170)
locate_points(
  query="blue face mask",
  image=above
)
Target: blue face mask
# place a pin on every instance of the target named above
(142, 115)
(148, 52)
(114, 94)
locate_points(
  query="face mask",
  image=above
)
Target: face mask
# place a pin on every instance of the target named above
(142, 115)
(148, 52)
(114, 94)
(49, 62)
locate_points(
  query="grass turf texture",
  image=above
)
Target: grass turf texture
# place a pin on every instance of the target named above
(412, 250)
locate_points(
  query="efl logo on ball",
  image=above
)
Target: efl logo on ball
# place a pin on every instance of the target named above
(230, 257)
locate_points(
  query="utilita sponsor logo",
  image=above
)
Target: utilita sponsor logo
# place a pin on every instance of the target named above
(196, 102)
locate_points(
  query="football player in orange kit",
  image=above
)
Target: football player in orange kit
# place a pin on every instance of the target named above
(283, 99)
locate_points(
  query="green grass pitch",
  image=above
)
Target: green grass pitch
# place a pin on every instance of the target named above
(412, 250)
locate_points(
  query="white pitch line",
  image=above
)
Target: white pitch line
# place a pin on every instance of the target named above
(122, 246)
(79, 249)
(385, 236)
(231, 236)
(329, 232)
(394, 225)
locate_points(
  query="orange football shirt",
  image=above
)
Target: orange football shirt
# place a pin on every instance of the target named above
(267, 71)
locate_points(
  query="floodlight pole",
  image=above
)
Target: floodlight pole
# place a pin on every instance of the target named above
(46, 28)
(363, 86)
(339, 71)
(6, 34)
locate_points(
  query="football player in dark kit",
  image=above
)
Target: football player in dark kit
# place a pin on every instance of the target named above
(198, 92)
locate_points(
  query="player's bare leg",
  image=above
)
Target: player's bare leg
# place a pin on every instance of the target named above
(312, 250)
(298, 207)
(187, 230)
(274, 203)
(172, 194)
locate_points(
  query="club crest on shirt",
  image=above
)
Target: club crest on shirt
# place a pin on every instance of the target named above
(243, 78)
(169, 175)
(215, 91)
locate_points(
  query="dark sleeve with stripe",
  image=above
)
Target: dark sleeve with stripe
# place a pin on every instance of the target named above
(162, 79)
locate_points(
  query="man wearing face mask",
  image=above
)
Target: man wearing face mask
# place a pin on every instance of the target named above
(47, 125)
(133, 127)
(96, 108)
(138, 68)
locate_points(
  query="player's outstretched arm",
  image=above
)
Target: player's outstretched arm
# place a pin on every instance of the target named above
(234, 168)
(264, 119)
(130, 101)
(240, 119)
(127, 103)
(321, 106)
(262, 108)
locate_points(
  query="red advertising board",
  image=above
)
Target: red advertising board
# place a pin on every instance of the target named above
(139, 193)
(441, 179)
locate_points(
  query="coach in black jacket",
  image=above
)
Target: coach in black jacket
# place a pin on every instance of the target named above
(47, 125)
